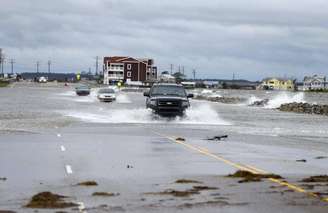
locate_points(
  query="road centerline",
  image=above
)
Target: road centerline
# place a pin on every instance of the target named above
(249, 168)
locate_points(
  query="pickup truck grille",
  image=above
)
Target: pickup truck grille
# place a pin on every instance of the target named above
(169, 103)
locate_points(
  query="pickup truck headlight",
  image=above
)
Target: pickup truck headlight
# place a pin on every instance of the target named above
(185, 104)
(153, 102)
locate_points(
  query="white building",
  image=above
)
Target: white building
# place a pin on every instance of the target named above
(315, 82)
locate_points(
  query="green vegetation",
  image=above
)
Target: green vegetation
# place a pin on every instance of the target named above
(318, 90)
(4, 83)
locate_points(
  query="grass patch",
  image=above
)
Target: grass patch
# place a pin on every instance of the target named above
(4, 83)
(48, 200)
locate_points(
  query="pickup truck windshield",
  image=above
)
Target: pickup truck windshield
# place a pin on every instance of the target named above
(168, 90)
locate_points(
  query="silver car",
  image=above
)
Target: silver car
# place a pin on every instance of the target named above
(106, 95)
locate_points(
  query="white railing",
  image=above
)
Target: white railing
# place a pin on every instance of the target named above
(115, 76)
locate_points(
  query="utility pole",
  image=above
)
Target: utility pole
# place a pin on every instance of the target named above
(12, 65)
(194, 73)
(233, 76)
(171, 67)
(49, 64)
(37, 66)
(179, 69)
(97, 58)
(1, 60)
(182, 69)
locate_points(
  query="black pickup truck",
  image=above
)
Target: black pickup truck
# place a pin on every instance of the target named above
(167, 99)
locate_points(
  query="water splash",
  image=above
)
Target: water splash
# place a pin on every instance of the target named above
(202, 114)
(123, 99)
(284, 98)
(251, 100)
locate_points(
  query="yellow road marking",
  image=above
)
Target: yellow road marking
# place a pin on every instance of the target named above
(249, 168)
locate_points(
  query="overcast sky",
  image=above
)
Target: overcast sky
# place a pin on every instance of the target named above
(253, 39)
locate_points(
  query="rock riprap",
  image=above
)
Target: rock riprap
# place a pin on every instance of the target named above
(304, 108)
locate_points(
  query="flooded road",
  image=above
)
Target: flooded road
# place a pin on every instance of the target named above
(51, 140)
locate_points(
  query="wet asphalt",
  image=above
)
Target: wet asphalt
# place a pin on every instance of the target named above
(53, 140)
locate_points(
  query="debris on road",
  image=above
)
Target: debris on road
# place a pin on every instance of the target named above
(88, 183)
(301, 160)
(180, 139)
(3, 179)
(217, 138)
(203, 204)
(129, 167)
(182, 181)
(314, 179)
(204, 188)
(252, 177)
(105, 194)
(175, 193)
(186, 193)
(49, 200)
(321, 157)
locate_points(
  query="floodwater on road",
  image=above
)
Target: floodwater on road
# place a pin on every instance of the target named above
(51, 139)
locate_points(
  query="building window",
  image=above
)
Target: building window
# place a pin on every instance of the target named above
(129, 66)
(128, 74)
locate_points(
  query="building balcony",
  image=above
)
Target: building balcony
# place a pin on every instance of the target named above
(115, 76)
(115, 69)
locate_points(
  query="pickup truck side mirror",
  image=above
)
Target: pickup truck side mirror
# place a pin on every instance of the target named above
(146, 94)
(190, 95)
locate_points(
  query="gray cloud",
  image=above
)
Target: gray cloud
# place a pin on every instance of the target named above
(253, 39)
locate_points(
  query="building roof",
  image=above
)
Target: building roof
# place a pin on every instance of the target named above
(279, 79)
(315, 77)
(122, 59)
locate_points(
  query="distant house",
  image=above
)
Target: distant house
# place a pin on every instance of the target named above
(278, 84)
(128, 69)
(315, 83)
